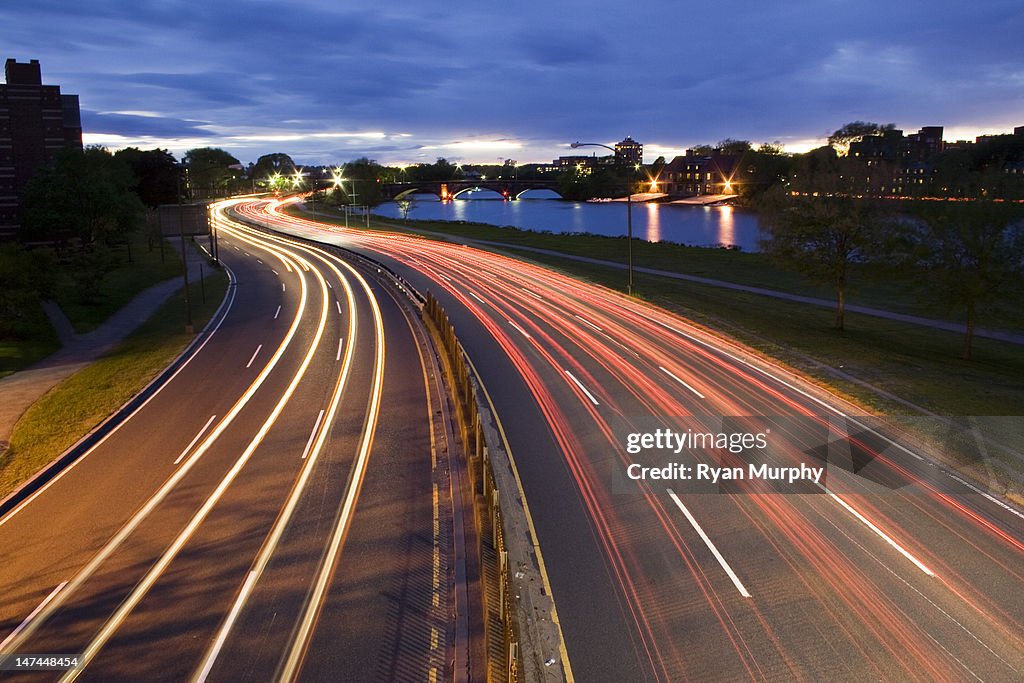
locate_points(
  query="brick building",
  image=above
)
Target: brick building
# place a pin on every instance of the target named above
(36, 123)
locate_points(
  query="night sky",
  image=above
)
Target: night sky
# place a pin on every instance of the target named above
(407, 82)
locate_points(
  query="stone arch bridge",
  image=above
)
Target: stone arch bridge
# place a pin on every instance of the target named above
(450, 189)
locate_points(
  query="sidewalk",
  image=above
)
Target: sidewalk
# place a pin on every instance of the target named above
(23, 388)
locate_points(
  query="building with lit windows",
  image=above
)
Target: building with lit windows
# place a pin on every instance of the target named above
(36, 123)
(629, 151)
(583, 165)
(699, 174)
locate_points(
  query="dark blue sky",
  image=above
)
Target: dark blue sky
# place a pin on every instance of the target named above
(404, 82)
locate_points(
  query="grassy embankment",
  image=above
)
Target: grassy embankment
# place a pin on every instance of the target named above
(37, 338)
(81, 402)
(870, 362)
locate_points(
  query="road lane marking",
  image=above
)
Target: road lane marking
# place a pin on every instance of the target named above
(881, 534)
(670, 374)
(436, 580)
(277, 312)
(444, 277)
(196, 439)
(521, 330)
(275, 272)
(341, 342)
(339, 306)
(473, 294)
(532, 293)
(582, 388)
(260, 261)
(254, 353)
(30, 617)
(711, 546)
(620, 344)
(587, 322)
(282, 287)
(329, 285)
(312, 434)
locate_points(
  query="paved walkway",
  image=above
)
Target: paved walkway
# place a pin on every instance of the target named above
(21, 389)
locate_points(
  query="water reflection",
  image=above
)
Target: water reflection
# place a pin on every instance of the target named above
(726, 226)
(653, 222)
(694, 225)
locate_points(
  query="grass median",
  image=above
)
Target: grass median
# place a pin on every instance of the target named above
(81, 402)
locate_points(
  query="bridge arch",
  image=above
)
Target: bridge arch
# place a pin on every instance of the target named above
(539, 189)
(416, 190)
(481, 188)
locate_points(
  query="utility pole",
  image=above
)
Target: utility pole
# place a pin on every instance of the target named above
(189, 328)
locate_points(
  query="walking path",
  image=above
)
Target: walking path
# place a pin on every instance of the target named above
(21, 389)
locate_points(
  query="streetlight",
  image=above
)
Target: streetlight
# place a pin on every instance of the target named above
(629, 218)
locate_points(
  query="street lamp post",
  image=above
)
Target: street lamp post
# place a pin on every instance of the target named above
(629, 219)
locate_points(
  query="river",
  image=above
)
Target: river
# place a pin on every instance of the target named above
(694, 225)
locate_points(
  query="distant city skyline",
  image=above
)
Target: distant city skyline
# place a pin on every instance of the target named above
(405, 83)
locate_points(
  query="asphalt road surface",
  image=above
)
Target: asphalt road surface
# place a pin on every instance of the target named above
(890, 567)
(271, 513)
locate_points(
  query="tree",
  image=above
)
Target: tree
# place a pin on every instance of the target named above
(735, 148)
(442, 169)
(269, 165)
(405, 205)
(821, 237)
(25, 277)
(211, 171)
(970, 257)
(761, 170)
(855, 131)
(87, 195)
(156, 173)
(771, 149)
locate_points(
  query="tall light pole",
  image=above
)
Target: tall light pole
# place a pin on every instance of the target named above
(629, 218)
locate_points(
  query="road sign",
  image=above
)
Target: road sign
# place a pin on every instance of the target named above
(186, 219)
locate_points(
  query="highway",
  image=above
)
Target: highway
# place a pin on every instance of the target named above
(889, 568)
(278, 510)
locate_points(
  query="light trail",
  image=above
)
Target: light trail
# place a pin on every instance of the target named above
(142, 588)
(272, 542)
(736, 384)
(170, 484)
(193, 442)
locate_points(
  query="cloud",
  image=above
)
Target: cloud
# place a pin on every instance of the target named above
(135, 125)
(262, 76)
